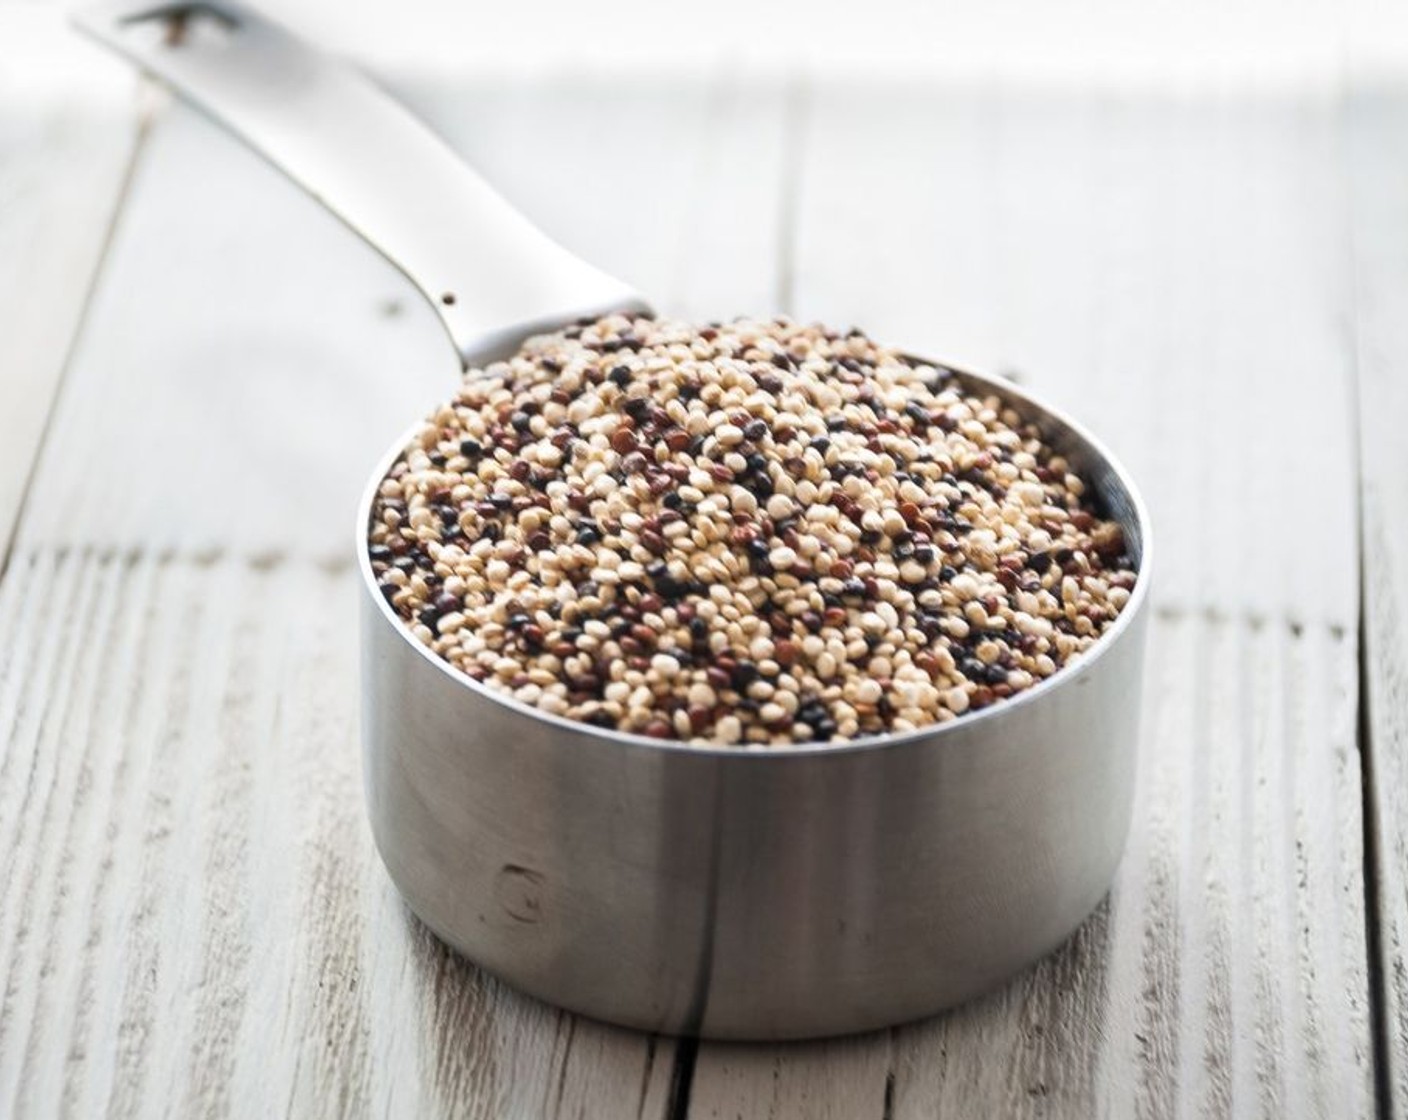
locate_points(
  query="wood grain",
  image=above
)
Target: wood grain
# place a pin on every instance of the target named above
(1379, 180)
(192, 918)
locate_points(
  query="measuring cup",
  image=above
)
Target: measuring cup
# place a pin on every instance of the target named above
(724, 892)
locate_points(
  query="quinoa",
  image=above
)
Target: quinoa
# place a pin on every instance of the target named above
(748, 533)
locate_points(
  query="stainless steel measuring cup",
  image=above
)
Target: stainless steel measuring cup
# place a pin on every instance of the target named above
(726, 892)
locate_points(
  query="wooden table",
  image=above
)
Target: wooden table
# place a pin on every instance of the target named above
(200, 368)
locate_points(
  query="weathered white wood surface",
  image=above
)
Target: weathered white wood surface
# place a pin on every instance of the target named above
(192, 919)
(1379, 177)
(67, 132)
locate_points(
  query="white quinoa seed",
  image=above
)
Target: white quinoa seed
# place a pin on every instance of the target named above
(754, 533)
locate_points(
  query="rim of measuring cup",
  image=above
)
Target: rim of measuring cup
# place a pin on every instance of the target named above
(1034, 409)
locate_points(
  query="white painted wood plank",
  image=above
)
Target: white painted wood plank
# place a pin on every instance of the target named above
(1171, 270)
(835, 1079)
(68, 131)
(1378, 123)
(192, 918)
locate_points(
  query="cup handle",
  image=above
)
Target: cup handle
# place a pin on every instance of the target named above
(490, 274)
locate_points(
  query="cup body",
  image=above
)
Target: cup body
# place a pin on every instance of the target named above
(757, 893)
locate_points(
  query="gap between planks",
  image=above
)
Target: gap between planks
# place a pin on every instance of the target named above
(1376, 162)
(1380, 1018)
(1380, 1021)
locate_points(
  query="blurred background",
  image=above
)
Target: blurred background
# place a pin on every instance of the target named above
(1145, 43)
